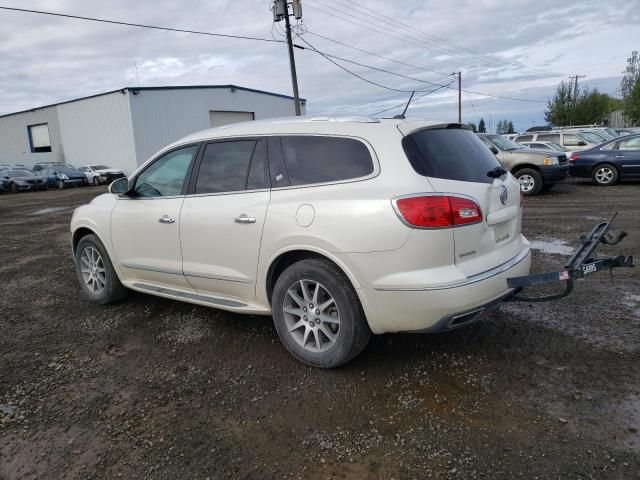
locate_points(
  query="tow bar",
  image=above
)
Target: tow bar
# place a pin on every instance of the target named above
(583, 262)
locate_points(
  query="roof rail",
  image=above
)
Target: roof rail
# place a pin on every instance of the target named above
(570, 127)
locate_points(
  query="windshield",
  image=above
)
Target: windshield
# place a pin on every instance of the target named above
(99, 167)
(504, 143)
(19, 173)
(611, 132)
(592, 137)
(555, 146)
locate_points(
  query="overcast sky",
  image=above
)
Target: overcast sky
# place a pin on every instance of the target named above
(527, 47)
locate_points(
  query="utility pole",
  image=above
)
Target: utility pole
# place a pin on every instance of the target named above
(281, 10)
(575, 94)
(459, 97)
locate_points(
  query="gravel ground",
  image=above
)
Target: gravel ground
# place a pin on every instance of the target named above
(151, 388)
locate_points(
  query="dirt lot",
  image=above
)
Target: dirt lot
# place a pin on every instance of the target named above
(151, 388)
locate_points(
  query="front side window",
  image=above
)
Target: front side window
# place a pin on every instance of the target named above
(592, 137)
(39, 138)
(232, 167)
(573, 140)
(166, 176)
(630, 144)
(317, 159)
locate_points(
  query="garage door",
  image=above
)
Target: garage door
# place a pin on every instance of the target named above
(218, 118)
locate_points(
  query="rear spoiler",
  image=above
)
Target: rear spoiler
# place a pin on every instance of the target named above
(583, 262)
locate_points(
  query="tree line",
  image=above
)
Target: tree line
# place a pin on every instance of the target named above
(503, 126)
(572, 105)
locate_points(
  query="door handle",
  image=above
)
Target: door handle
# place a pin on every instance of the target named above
(166, 219)
(245, 219)
(618, 156)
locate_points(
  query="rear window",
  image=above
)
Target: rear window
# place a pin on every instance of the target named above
(311, 159)
(452, 154)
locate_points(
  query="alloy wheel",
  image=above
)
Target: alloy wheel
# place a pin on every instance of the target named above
(311, 315)
(604, 175)
(93, 271)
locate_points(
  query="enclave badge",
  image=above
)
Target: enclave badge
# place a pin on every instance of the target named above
(504, 194)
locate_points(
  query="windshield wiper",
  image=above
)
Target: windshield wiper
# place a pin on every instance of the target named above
(496, 172)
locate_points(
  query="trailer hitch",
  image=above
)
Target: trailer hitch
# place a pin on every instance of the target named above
(583, 262)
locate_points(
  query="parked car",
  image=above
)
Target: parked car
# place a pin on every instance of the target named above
(99, 174)
(336, 228)
(544, 146)
(42, 165)
(19, 180)
(627, 131)
(571, 140)
(608, 163)
(63, 176)
(536, 170)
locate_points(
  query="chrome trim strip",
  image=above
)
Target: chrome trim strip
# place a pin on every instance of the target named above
(213, 277)
(627, 166)
(469, 280)
(191, 296)
(149, 269)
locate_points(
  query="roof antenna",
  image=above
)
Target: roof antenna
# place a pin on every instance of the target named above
(401, 116)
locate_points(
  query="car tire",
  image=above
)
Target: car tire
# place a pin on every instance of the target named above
(95, 272)
(338, 333)
(604, 175)
(547, 186)
(96, 181)
(60, 184)
(530, 181)
(13, 188)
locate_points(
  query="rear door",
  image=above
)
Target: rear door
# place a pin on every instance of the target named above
(222, 217)
(457, 162)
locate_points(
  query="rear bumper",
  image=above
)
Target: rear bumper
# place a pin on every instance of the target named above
(444, 306)
(555, 173)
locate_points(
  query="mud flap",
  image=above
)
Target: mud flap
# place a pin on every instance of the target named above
(583, 262)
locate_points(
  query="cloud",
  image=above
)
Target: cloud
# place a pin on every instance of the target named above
(518, 49)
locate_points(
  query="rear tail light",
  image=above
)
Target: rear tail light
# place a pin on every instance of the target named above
(437, 211)
(573, 157)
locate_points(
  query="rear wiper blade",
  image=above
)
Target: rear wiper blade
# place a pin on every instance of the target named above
(496, 172)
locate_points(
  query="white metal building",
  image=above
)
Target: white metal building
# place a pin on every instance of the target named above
(123, 128)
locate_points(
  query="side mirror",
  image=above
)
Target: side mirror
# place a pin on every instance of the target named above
(119, 186)
(581, 143)
(494, 150)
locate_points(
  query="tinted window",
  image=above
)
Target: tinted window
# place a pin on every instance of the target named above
(166, 175)
(325, 159)
(524, 138)
(573, 140)
(549, 137)
(228, 167)
(630, 144)
(452, 154)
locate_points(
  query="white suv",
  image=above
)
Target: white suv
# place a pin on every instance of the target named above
(335, 227)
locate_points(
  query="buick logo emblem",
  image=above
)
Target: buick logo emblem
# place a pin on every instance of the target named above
(504, 194)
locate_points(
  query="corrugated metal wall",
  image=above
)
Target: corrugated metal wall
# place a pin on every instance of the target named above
(98, 130)
(163, 116)
(14, 137)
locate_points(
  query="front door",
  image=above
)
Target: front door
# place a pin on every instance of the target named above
(627, 156)
(145, 225)
(223, 216)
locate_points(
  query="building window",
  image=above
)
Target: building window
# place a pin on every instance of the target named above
(39, 138)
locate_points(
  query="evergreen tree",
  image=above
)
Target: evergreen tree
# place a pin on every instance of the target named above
(510, 128)
(500, 127)
(473, 127)
(482, 128)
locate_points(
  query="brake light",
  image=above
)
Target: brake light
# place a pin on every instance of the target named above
(438, 211)
(573, 157)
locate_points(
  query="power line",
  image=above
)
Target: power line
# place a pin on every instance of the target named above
(140, 25)
(415, 101)
(377, 55)
(327, 57)
(464, 51)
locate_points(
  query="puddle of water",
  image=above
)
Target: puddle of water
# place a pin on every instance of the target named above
(559, 247)
(44, 211)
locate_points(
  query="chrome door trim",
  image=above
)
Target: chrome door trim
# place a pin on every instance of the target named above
(189, 296)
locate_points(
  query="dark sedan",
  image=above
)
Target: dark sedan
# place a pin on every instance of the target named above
(62, 176)
(609, 162)
(18, 180)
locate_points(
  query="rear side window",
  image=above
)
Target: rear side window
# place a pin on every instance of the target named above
(232, 166)
(315, 159)
(524, 138)
(549, 137)
(452, 154)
